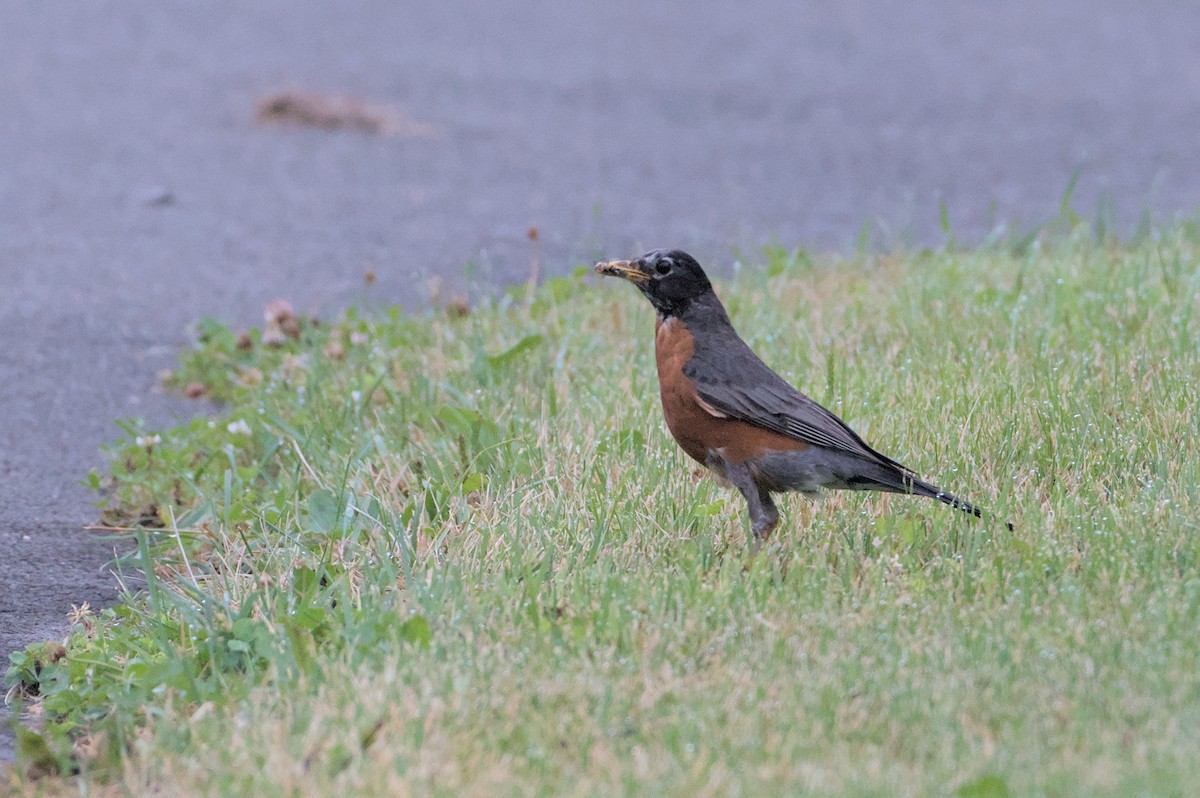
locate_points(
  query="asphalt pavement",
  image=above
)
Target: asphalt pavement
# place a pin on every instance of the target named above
(138, 193)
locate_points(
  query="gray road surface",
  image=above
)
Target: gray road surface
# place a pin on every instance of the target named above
(610, 126)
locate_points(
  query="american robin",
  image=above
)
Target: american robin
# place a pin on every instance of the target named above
(731, 413)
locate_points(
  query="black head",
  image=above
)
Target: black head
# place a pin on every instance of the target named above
(670, 279)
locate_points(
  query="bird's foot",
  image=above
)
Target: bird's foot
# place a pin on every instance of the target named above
(761, 532)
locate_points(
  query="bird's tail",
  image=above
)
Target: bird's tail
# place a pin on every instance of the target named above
(888, 475)
(919, 487)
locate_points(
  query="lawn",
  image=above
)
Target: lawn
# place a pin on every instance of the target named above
(455, 552)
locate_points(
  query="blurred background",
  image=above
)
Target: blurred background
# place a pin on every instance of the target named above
(163, 161)
(132, 152)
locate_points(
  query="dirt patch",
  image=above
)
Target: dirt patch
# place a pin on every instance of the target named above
(337, 112)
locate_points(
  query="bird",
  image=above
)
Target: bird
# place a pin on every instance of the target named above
(732, 414)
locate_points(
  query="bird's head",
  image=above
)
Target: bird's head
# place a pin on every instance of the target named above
(670, 279)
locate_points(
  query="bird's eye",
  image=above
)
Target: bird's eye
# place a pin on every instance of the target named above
(663, 267)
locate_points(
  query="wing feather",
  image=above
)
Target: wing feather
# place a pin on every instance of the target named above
(761, 397)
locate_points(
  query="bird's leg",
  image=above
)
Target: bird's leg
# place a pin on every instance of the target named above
(771, 517)
(764, 516)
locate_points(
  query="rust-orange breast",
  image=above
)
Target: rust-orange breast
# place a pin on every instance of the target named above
(696, 426)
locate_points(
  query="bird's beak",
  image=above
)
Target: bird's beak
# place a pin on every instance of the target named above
(623, 269)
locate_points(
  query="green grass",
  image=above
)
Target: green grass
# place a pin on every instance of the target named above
(433, 554)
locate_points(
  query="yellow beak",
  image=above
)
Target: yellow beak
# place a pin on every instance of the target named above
(623, 269)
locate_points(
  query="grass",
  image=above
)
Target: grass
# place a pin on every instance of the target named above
(457, 554)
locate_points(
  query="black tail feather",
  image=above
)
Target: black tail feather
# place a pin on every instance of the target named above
(888, 475)
(919, 487)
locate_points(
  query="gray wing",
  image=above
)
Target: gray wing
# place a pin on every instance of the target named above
(759, 396)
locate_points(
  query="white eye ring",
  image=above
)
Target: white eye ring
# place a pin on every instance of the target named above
(663, 267)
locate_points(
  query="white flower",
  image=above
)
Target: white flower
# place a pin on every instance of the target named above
(146, 441)
(356, 396)
(239, 427)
